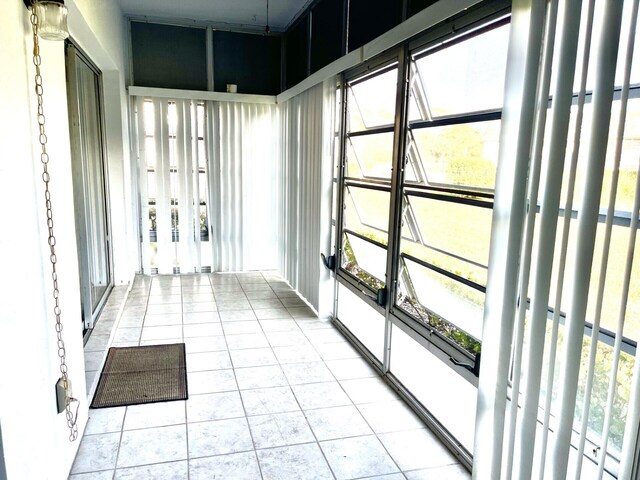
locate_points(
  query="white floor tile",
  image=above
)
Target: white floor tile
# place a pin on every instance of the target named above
(205, 344)
(200, 317)
(368, 390)
(160, 471)
(310, 372)
(211, 381)
(237, 315)
(240, 466)
(247, 340)
(163, 320)
(297, 462)
(199, 307)
(202, 330)
(226, 305)
(253, 357)
(214, 406)
(153, 445)
(241, 327)
(279, 325)
(154, 415)
(351, 368)
(357, 457)
(269, 400)
(124, 335)
(96, 452)
(272, 313)
(260, 377)
(337, 422)
(271, 302)
(296, 354)
(161, 333)
(390, 416)
(164, 309)
(219, 437)
(416, 449)
(104, 475)
(288, 339)
(203, 361)
(280, 429)
(450, 472)
(320, 395)
(105, 420)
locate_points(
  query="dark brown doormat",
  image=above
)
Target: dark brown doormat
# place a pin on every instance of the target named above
(136, 375)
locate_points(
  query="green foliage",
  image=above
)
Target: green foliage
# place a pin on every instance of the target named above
(351, 266)
(457, 154)
(599, 392)
(441, 325)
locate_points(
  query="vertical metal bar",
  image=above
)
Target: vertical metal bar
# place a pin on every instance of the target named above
(345, 30)
(395, 208)
(606, 55)
(309, 38)
(340, 186)
(210, 70)
(143, 178)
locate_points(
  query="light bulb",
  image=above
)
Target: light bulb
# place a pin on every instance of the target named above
(52, 20)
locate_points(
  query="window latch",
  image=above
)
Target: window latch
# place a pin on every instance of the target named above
(380, 298)
(475, 368)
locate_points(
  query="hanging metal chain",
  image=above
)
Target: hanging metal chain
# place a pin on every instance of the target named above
(44, 158)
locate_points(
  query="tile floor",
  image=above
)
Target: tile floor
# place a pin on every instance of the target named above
(274, 393)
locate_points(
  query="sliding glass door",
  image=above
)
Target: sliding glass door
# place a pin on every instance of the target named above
(89, 177)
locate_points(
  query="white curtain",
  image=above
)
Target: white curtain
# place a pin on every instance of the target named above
(306, 168)
(549, 266)
(243, 147)
(169, 187)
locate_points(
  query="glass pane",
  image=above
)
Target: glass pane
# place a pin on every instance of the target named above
(599, 392)
(370, 156)
(364, 260)
(367, 212)
(449, 397)
(614, 282)
(446, 299)
(362, 320)
(150, 152)
(629, 154)
(172, 118)
(464, 155)
(372, 102)
(453, 236)
(149, 119)
(95, 226)
(467, 76)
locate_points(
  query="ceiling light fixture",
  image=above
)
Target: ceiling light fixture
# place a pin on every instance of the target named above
(52, 17)
(267, 29)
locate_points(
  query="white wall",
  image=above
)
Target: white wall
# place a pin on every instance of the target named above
(34, 437)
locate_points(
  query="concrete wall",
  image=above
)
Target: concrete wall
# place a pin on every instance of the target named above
(34, 437)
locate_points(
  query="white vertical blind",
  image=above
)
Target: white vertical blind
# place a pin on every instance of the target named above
(551, 382)
(307, 135)
(169, 184)
(242, 145)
